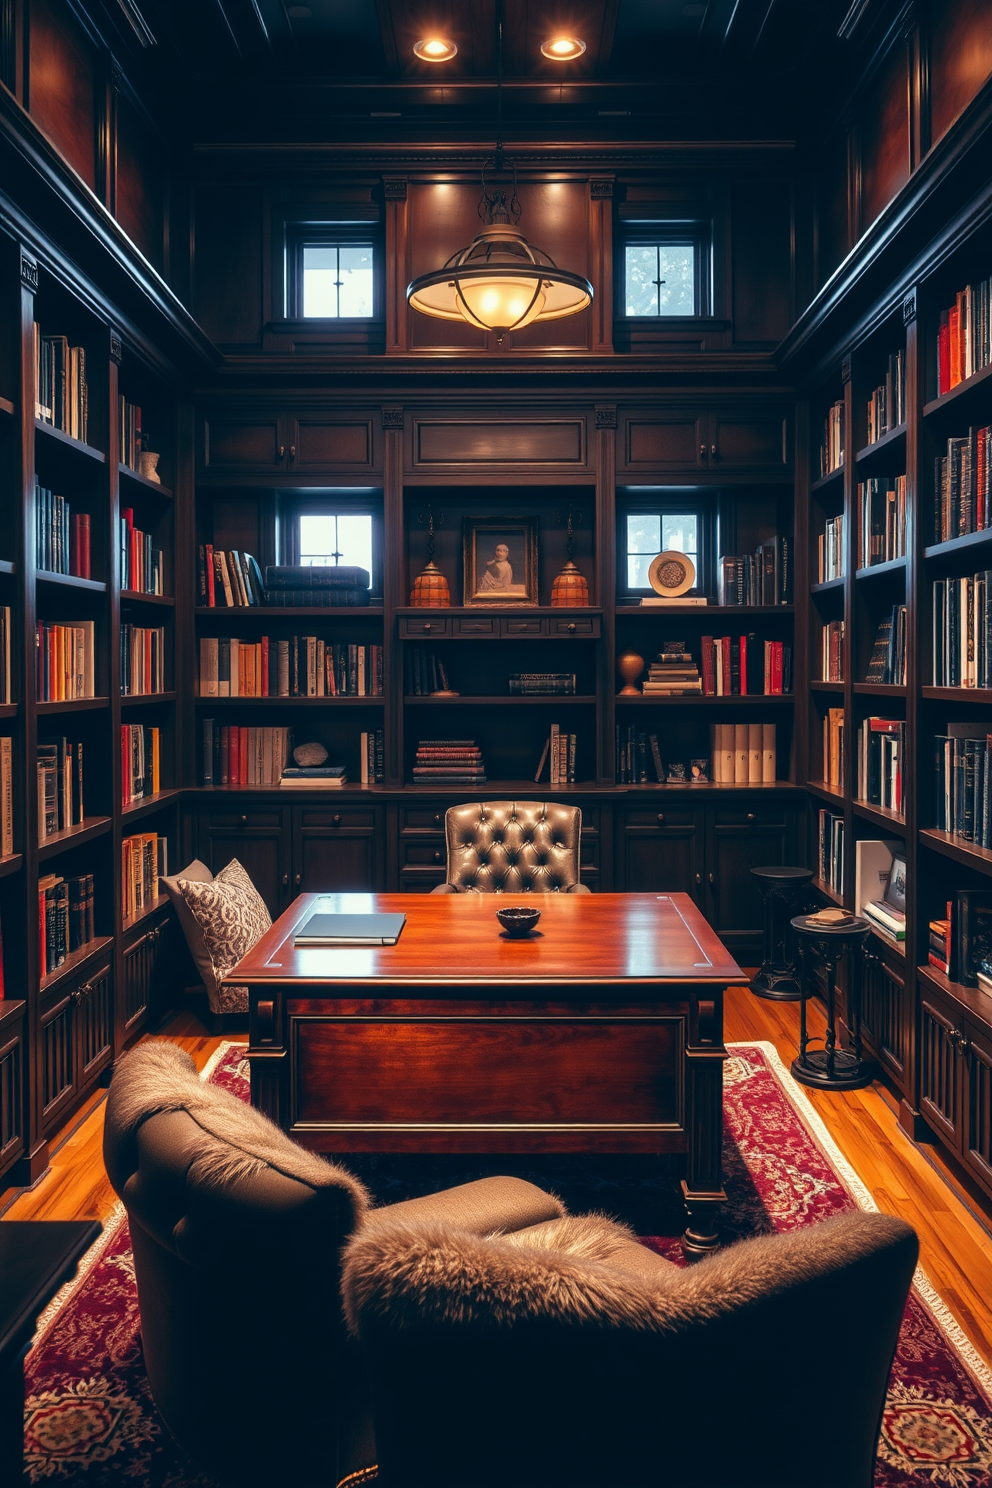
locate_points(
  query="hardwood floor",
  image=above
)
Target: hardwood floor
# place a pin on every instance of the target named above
(955, 1227)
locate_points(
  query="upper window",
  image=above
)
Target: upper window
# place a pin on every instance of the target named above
(649, 533)
(332, 272)
(665, 271)
(327, 539)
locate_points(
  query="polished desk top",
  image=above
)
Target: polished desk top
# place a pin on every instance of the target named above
(456, 939)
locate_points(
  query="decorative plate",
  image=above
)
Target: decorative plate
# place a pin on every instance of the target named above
(671, 574)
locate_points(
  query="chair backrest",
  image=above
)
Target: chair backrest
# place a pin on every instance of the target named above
(237, 1234)
(493, 1361)
(513, 847)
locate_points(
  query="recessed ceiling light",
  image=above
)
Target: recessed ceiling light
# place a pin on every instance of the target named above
(299, 12)
(563, 48)
(435, 49)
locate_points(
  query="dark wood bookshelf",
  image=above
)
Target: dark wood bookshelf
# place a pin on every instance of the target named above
(90, 828)
(133, 700)
(881, 570)
(12, 863)
(306, 614)
(955, 545)
(470, 700)
(968, 854)
(70, 581)
(881, 450)
(7, 408)
(828, 586)
(725, 612)
(76, 961)
(134, 477)
(135, 596)
(7, 567)
(73, 705)
(65, 442)
(881, 816)
(342, 700)
(826, 480)
(775, 699)
(962, 392)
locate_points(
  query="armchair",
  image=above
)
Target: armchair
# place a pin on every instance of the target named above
(513, 847)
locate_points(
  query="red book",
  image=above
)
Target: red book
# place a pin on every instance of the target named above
(743, 652)
(776, 667)
(944, 353)
(79, 548)
(709, 670)
(767, 680)
(954, 337)
(242, 756)
(208, 553)
(727, 666)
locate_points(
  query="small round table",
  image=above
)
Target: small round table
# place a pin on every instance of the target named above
(831, 1068)
(782, 890)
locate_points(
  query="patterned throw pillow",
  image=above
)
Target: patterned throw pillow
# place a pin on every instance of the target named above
(232, 918)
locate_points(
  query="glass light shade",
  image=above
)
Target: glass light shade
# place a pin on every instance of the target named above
(498, 304)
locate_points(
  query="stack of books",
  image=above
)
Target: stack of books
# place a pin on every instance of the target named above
(964, 339)
(963, 783)
(141, 771)
(745, 666)
(887, 404)
(760, 578)
(62, 396)
(962, 631)
(961, 942)
(372, 757)
(673, 673)
(314, 777)
(830, 862)
(65, 660)
(296, 666)
(888, 913)
(881, 755)
(887, 664)
(62, 540)
(236, 755)
(65, 918)
(229, 578)
(316, 584)
(832, 651)
(141, 564)
(961, 485)
(142, 660)
(144, 860)
(449, 761)
(833, 749)
(882, 521)
(60, 787)
(743, 753)
(832, 448)
(830, 550)
(559, 751)
(425, 673)
(542, 684)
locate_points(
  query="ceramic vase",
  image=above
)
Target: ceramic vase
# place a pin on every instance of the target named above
(148, 466)
(570, 588)
(430, 590)
(630, 666)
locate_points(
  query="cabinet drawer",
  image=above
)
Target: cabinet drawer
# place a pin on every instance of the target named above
(661, 816)
(524, 626)
(423, 854)
(348, 816)
(589, 853)
(421, 819)
(476, 625)
(247, 821)
(590, 819)
(413, 625)
(575, 625)
(420, 880)
(747, 816)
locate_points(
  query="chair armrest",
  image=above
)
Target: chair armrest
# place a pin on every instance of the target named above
(483, 1207)
(578, 889)
(444, 888)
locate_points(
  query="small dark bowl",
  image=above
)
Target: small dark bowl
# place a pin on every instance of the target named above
(518, 922)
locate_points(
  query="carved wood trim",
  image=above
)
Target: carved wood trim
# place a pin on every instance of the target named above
(29, 272)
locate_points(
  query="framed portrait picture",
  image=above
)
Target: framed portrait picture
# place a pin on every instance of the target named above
(500, 564)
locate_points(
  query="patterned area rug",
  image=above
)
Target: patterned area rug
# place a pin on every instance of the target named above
(90, 1417)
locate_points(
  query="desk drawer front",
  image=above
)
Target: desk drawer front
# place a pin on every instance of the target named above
(422, 819)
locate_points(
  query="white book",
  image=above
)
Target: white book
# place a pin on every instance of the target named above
(768, 753)
(740, 753)
(727, 754)
(872, 865)
(365, 758)
(754, 754)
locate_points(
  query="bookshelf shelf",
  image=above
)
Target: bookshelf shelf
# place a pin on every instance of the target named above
(76, 961)
(882, 570)
(8, 710)
(306, 614)
(70, 581)
(965, 853)
(126, 474)
(955, 545)
(149, 804)
(515, 612)
(823, 791)
(134, 596)
(880, 689)
(470, 699)
(130, 921)
(7, 407)
(290, 702)
(828, 892)
(828, 586)
(89, 829)
(956, 394)
(827, 480)
(66, 444)
(882, 449)
(147, 697)
(972, 999)
(6, 567)
(74, 705)
(818, 685)
(881, 816)
(13, 863)
(897, 947)
(773, 699)
(630, 612)
(958, 694)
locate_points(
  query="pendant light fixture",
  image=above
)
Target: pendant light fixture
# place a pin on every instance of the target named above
(499, 282)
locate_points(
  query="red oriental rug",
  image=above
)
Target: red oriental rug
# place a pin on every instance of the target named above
(90, 1417)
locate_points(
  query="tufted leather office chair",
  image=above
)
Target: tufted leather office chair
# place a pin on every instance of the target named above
(513, 847)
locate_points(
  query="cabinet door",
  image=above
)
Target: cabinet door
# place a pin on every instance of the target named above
(11, 1091)
(320, 443)
(148, 964)
(663, 441)
(940, 1071)
(236, 443)
(59, 1065)
(738, 839)
(335, 850)
(976, 1053)
(258, 839)
(885, 1015)
(662, 850)
(756, 441)
(94, 1000)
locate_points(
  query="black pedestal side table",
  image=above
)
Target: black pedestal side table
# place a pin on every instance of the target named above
(36, 1258)
(831, 1068)
(782, 893)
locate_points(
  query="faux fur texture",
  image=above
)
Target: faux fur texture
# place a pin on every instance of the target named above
(409, 1277)
(159, 1076)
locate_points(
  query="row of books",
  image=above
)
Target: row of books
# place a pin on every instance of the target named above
(745, 666)
(65, 918)
(887, 663)
(830, 550)
(296, 666)
(65, 660)
(240, 755)
(141, 762)
(60, 786)
(6, 797)
(961, 485)
(559, 753)
(760, 578)
(131, 443)
(229, 578)
(142, 660)
(832, 448)
(141, 565)
(961, 621)
(448, 761)
(61, 537)
(6, 675)
(833, 755)
(961, 941)
(744, 753)
(830, 850)
(881, 757)
(832, 651)
(964, 336)
(61, 392)
(372, 756)
(881, 520)
(887, 404)
(144, 860)
(963, 782)
(425, 673)
(542, 684)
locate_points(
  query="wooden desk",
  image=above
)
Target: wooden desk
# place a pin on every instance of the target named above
(602, 1033)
